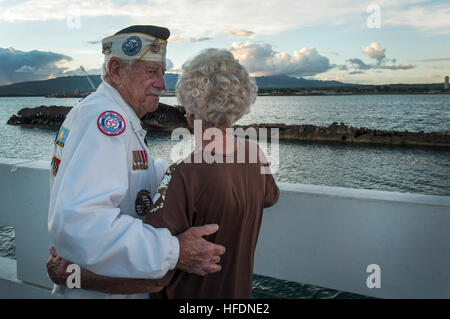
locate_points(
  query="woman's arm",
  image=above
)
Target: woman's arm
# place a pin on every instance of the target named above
(57, 271)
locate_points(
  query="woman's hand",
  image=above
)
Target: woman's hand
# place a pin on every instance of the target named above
(57, 271)
(57, 268)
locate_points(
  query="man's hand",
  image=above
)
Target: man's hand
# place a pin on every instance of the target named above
(57, 268)
(197, 255)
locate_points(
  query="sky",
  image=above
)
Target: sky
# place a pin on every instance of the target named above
(352, 41)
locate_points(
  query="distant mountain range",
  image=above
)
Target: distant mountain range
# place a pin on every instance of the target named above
(69, 84)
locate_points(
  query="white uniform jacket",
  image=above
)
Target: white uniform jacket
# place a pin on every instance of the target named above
(100, 165)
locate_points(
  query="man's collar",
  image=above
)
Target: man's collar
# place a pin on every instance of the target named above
(107, 88)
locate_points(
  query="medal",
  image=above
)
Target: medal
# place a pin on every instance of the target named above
(143, 203)
(140, 160)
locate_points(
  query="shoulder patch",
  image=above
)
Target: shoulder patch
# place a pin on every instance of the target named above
(55, 164)
(111, 123)
(62, 136)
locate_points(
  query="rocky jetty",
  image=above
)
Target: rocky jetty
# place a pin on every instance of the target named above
(48, 117)
(164, 119)
(167, 117)
(341, 133)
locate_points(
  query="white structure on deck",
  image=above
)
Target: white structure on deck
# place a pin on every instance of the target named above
(325, 236)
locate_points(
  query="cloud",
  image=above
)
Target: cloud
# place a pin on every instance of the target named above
(434, 77)
(199, 39)
(330, 77)
(427, 17)
(262, 59)
(175, 38)
(26, 68)
(435, 60)
(355, 72)
(240, 32)
(404, 66)
(359, 64)
(445, 68)
(19, 66)
(374, 51)
(199, 18)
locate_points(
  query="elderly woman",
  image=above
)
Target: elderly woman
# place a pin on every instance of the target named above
(231, 191)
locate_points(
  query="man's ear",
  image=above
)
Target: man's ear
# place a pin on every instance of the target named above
(114, 69)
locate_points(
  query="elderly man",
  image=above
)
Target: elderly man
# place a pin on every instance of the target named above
(103, 177)
(232, 191)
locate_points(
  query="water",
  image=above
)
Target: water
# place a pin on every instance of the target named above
(400, 169)
(396, 112)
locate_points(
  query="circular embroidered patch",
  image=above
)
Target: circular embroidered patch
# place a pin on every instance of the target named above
(111, 123)
(132, 45)
(143, 203)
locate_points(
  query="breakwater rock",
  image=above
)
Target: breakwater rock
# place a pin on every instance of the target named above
(342, 133)
(166, 118)
(48, 117)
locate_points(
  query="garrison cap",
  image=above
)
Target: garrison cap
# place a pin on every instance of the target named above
(137, 42)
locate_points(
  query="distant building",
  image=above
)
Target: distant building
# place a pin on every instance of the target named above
(446, 83)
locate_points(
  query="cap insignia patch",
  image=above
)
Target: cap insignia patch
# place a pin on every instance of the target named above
(132, 45)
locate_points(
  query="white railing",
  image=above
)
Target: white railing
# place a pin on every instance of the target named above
(325, 236)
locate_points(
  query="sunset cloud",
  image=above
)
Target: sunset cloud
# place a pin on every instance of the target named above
(262, 59)
(240, 32)
(199, 39)
(375, 51)
(174, 38)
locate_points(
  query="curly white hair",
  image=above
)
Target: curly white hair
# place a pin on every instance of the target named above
(215, 87)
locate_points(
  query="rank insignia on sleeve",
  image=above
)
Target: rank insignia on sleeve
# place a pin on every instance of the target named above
(143, 203)
(140, 160)
(111, 123)
(55, 164)
(62, 136)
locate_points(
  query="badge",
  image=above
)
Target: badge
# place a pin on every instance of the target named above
(143, 203)
(111, 123)
(62, 136)
(132, 45)
(55, 164)
(106, 48)
(140, 160)
(155, 46)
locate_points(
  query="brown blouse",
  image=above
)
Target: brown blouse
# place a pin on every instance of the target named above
(232, 195)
